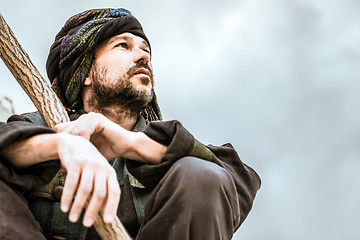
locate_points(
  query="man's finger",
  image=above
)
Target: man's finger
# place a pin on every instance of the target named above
(70, 187)
(82, 130)
(83, 192)
(113, 199)
(59, 127)
(64, 128)
(97, 200)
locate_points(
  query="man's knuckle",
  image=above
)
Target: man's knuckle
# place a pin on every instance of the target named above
(84, 116)
(77, 161)
(71, 180)
(112, 171)
(71, 185)
(114, 190)
(98, 166)
(100, 195)
(86, 188)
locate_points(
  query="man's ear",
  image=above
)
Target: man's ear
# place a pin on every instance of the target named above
(87, 81)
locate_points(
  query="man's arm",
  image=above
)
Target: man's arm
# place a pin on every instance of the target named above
(161, 144)
(114, 141)
(36, 149)
(89, 173)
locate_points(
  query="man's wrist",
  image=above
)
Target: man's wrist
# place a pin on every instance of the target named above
(148, 150)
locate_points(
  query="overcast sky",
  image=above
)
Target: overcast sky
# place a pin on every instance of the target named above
(279, 79)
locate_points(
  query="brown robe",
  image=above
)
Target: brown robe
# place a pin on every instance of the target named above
(239, 181)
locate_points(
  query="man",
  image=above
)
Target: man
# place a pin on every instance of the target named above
(172, 186)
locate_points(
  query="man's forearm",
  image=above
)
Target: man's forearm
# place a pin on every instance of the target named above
(112, 140)
(36, 149)
(133, 145)
(147, 150)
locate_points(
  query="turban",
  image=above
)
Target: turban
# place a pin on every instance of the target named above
(72, 53)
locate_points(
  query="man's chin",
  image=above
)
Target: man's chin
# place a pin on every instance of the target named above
(144, 90)
(141, 80)
(148, 95)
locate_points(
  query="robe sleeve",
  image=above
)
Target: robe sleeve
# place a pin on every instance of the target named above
(181, 143)
(16, 129)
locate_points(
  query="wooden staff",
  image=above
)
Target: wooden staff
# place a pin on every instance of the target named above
(47, 103)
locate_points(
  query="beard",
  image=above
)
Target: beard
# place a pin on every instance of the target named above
(117, 91)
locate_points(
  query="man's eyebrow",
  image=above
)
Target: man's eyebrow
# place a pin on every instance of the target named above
(117, 38)
(145, 43)
(126, 38)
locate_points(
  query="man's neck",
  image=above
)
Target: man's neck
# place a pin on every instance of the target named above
(124, 117)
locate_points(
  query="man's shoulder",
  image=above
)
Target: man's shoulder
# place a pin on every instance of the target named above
(33, 117)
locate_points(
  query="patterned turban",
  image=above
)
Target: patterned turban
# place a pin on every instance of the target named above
(72, 53)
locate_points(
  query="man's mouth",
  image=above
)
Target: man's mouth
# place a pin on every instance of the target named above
(143, 71)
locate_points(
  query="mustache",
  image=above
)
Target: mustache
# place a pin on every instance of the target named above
(133, 69)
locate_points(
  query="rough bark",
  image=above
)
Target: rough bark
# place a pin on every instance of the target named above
(47, 103)
(29, 78)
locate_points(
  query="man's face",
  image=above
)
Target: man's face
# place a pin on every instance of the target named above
(122, 73)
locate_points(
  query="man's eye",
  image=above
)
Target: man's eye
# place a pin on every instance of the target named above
(146, 50)
(123, 45)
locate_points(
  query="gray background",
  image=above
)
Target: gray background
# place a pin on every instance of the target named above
(277, 78)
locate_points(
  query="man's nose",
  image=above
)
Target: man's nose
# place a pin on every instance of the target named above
(141, 55)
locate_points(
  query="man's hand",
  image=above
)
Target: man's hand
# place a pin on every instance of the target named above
(112, 140)
(88, 174)
(102, 132)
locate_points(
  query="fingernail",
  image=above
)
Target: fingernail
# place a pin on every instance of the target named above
(64, 208)
(88, 222)
(73, 217)
(108, 218)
